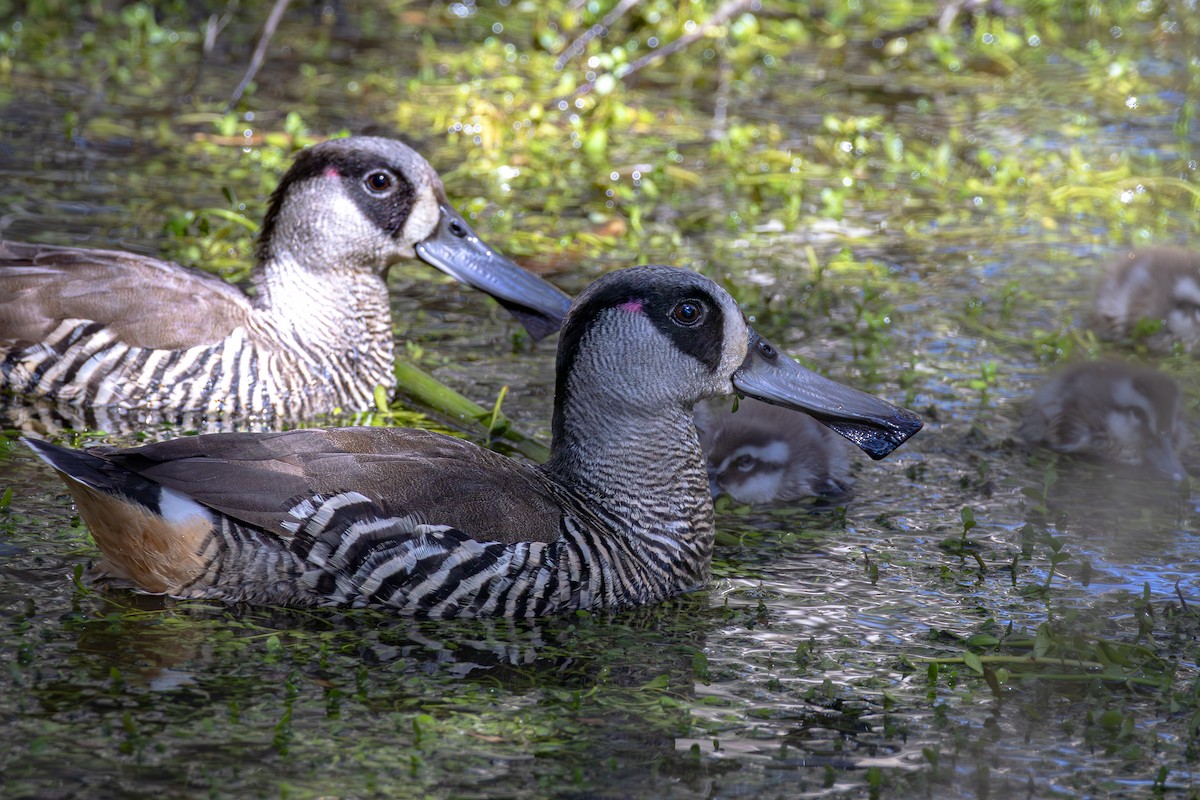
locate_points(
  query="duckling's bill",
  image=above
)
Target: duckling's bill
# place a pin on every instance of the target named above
(876, 426)
(457, 250)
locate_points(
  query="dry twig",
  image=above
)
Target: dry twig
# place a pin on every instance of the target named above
(577, 47)
(260, 52)
(720, 16)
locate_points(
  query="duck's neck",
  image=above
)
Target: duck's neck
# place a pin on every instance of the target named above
(645, 470)
(341, 316)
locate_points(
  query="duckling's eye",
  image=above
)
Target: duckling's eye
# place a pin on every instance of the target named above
(379, 181)
(1139, 414)
(688, 313)
(744, 463)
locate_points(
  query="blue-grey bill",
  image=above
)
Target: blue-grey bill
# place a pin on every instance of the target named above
(455, 249)
(875, 425)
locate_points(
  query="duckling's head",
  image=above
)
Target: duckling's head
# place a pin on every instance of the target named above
(1156, 286)
(650, 342)
(364, 203)
(1112, 411)
(761, 453)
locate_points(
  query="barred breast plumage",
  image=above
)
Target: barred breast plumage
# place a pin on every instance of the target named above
(426, 524)
(104, 328)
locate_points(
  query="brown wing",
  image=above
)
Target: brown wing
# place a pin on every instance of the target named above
(144, 301)
(256, 478)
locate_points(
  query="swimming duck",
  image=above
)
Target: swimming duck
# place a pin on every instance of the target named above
(1159, 284)
(762, 453)
(431, 525)
(1110, 411)
(106, 328)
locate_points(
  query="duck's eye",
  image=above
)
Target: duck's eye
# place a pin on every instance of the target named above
(688, 312)
(379, 181)
(458, 229)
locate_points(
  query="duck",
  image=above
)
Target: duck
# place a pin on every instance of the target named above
(758, 453)
(105, 328)
(429, 525)
(1156, 285)
(1110, 411)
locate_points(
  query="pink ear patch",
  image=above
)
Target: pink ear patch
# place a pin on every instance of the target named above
(330, 172)
(632, 306)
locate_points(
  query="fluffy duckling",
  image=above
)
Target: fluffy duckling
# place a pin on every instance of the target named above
(1159, 284)
(763, 453)
(1110, 411)
(95, 328)
(421, 523)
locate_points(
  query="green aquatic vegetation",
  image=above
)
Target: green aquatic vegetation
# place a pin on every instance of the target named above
(746, 534)
(985, 383)
(1059, 654)
(500, 431)
(963, 546)
(220, 239)
(874, 314)
(1057, 555)
(132, 50)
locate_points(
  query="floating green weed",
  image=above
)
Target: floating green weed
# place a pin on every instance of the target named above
(1057, 654)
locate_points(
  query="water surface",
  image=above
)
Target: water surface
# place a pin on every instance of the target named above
(949, 284)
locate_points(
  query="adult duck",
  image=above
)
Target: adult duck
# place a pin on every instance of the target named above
(104, 328)
(427, 524)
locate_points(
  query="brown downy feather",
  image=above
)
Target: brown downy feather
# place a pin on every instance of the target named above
(140, 546)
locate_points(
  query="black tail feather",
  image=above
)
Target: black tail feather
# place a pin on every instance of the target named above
(98, 473)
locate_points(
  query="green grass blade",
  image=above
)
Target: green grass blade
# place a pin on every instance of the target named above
(425, 389)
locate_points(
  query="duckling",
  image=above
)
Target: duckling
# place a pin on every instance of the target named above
(1158, 284)
(762, 453)
(430, 525)
(1113, 412)
(105, 328)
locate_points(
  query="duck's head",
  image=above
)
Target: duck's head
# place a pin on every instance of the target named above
(364, 203)
(648, 341)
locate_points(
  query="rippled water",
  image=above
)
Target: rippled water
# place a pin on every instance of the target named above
(798, 672)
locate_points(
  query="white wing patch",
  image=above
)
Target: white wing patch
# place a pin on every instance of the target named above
(178, 509)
